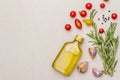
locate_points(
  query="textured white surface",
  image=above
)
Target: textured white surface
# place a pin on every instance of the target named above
(32, 32)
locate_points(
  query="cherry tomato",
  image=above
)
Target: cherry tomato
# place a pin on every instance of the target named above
(78, 24)
(68, 27)
(106, 0)
(83, 13)
(72, 14)
(102, 5)
(88, 6)
(101, 30)
(114, 15)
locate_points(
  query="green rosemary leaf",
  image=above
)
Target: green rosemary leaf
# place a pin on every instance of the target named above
(92, 14)
(91, 36)
(115, 63)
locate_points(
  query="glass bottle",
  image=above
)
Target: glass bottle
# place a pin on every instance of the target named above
(68, 56)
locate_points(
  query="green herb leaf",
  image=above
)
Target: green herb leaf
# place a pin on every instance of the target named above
(106, 46)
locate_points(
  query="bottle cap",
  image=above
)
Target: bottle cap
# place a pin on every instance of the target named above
(79, 38)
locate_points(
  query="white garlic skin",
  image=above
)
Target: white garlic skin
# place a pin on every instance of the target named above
(96, 72)
(92, 52)
(83, 67)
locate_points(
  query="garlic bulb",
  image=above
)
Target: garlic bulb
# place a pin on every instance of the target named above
(83, 67)
(96, 72)
(92, 52)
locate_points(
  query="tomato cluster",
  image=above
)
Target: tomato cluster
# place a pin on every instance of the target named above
(83, 13)
(77, 22)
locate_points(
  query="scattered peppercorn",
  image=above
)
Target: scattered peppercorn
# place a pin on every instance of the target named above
(98, 19)
(104, 19)
(109, 11)
(102, 23)
(108, 18)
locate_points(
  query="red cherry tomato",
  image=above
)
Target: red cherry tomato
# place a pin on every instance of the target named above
(68, 27)
(78, 24)
(101, 30)
(83, 13)
(72, 14)
(102, 5)
(114, 15)
(106, 0)
(88, 6)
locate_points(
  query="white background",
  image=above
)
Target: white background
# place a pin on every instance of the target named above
(32, 33)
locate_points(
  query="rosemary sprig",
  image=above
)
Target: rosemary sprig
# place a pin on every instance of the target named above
(92, 14)
(106, 46)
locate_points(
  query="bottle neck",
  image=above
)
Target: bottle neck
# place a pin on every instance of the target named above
(79, 39)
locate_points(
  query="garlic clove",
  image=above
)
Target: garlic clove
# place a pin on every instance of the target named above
(83, 67)
(92, 52)
(96, 72)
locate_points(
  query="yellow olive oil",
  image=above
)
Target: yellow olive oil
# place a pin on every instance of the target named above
(68, 56)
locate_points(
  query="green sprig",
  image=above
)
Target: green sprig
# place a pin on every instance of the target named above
(106, 46)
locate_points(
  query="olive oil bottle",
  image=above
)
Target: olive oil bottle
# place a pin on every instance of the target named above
(68, 56)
